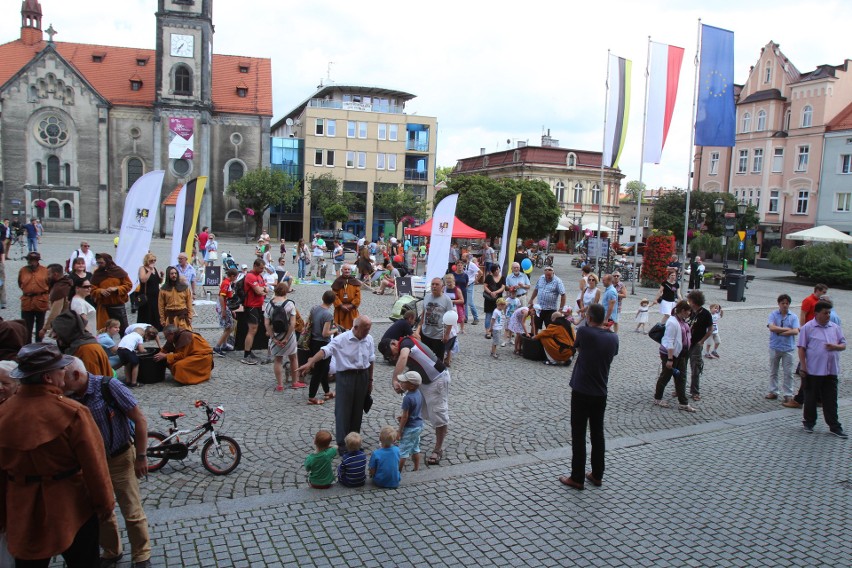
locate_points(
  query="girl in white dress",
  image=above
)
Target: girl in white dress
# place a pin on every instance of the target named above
(642, 316)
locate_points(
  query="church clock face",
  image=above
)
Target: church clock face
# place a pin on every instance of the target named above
(182, 45)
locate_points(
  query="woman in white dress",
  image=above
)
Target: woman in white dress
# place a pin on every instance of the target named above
(592, 295)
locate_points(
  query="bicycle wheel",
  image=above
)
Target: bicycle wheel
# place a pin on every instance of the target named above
(156, 439)
(222, 458)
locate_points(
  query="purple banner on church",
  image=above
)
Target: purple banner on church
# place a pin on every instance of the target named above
(181, 134)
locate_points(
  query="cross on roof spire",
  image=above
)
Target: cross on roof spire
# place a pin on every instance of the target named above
(50, 32)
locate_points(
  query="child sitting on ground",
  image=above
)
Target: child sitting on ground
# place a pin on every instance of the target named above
(498, 319)
(318, 463)
(352, 471)
(410, 423)
(108, 338)
(384, 462)
(642, 316)
(716, 314)
(130, 346)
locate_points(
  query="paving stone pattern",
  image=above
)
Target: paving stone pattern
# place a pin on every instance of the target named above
(501, 411)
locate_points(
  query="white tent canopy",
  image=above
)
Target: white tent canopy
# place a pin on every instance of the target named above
(823, 233)
(561, 227)
(594, 227)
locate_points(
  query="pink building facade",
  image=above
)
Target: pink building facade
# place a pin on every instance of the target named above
(776, 164)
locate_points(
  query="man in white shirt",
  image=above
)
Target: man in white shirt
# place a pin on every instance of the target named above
(187, 271)
(85, 252)
(472, 270)
(354, 358)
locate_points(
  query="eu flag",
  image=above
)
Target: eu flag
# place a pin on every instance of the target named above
(716, 118)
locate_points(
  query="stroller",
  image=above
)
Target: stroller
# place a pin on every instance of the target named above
(403, 304)
(228, 262)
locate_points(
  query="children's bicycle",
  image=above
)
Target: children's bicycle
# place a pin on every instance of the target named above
(220, 455)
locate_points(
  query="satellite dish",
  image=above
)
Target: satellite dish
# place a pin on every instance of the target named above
(289, 122)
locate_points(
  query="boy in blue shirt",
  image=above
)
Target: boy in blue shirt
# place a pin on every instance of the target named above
(352, 471)
(410, 423)
(384, 462)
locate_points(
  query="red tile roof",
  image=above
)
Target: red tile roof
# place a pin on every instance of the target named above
(843, 120)
(111, 76)
(172, 198)
(530, 155)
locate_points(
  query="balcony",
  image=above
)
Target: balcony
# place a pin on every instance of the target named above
(363, 107)
(417, 146)
(413, 174)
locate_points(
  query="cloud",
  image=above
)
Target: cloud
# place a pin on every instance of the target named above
(488, 71)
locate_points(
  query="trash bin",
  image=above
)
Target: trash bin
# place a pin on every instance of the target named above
(736, 287)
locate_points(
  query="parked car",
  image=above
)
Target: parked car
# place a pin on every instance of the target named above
(347, 239)
(627, 248)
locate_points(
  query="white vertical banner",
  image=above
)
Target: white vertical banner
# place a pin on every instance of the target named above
(137, 223)
(442, 235)
(177, 226)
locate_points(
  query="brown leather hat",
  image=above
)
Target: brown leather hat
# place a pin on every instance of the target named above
(37, 358)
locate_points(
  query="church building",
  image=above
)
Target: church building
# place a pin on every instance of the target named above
(80, 123)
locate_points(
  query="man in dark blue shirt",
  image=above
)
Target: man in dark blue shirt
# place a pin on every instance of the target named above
(32, 235)
(596, 347)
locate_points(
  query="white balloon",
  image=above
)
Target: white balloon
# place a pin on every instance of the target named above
(451, 317)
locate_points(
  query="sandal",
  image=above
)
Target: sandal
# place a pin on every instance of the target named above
(487, 336)
(661, 403)
(696, 397)
(315, 401)
(329, 395)
(435, 458)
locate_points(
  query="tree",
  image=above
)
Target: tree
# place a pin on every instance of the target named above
(258, 190)
(634, 189)
(668, 213)
(442, 173)
(332, 203)
(398, 202)
(483, 202)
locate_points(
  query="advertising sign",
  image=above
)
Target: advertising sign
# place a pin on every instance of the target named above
(181, 138)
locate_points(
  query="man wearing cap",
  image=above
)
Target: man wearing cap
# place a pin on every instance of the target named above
(33, 282)
(410, 354)
(126, 460)
(186, 270)
(550, 292)
(53, 464)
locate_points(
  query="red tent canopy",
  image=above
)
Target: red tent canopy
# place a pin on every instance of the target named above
(460, 230)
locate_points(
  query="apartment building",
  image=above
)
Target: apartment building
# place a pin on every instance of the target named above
(573, 175)
(834, 207)
(776, 165)
(363, 137)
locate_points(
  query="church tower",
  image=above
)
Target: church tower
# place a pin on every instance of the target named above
(31, 22)
(184, 53)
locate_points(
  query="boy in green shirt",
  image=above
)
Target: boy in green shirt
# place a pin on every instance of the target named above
(318, 463)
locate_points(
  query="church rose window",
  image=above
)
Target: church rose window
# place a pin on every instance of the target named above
(52, 131)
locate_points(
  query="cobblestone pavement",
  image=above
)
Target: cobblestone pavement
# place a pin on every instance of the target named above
(774, 496)
(503, 412)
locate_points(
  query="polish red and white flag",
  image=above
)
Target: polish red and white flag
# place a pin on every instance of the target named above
(663, 73)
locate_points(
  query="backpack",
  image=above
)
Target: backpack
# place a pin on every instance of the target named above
(239, 297)
(78, 253)
(280, 320)
(109, 399)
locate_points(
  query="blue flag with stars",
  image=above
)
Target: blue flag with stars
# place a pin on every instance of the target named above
(716, 117)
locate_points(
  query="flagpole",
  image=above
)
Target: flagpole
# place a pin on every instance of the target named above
(639, 226)
(603, 153)
(691, 150)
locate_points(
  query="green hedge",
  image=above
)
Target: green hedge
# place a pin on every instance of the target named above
(824, 262)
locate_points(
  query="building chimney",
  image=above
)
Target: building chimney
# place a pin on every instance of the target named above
(31, 22)
(482, 151)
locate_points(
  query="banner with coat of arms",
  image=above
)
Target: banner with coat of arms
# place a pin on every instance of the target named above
(137, 223)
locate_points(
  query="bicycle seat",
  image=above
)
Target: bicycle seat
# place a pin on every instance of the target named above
(171, 415)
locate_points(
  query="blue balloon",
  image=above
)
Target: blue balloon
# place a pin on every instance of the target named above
(526, 264)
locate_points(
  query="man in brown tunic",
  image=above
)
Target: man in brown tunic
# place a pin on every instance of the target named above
(54, 481)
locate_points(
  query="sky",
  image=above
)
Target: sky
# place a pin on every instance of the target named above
(491, 72)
